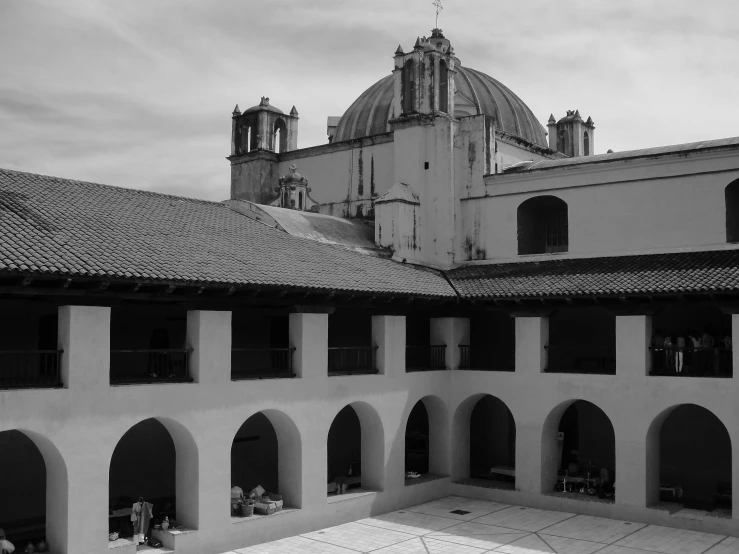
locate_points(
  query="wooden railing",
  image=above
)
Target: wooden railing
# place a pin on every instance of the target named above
(30, 369)
(351, 360)
(425, 358)
(150, 366)
(692, 362)
(261, 363)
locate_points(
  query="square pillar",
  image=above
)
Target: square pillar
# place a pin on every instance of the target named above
(633, 484)
(531, 467)
(633, 336)
(532, 336)
(314, 466)
(84, 336)
(388, 336)
(309, 337)
(451, 331)
(209, 337)
(734, 351)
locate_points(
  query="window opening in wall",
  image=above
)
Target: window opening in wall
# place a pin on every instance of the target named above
(582, 340)
(580, 452)
(492, 444)
(143, 466)
(23, 490)
(443, 87)
(562, 140)
(409, 87)
(586, 144)
(690, 450)
(691, 340)
(542, 225)
(29, 354)
(260, 345)
(247, 139)
(344, 452)
(420, 354)
(300, 200)
(350, 348)
(277, 141)
(731, 199)
(492, 345)
(417, 443)
(279, 138)
(148, 345)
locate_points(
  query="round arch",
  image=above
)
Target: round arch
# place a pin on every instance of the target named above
(462, 434)
(371, 448)
(55, 484)
(428, 416)
(279, 136)
(542, 225)
(689, 458)
(577, 432)
(283, 454)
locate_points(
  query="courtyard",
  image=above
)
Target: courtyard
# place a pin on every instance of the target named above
(467, 526)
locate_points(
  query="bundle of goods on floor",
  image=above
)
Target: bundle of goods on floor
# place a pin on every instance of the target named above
(7, 547)
(587, 479)
(261, 502)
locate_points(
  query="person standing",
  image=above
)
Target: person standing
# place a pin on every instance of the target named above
(679, 353)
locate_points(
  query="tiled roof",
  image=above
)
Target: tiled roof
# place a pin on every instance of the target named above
(55, 226)
(652, 274)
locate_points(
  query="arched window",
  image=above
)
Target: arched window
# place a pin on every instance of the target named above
(562, 141)
(586, 144)
(542, 225)
(443, 87)
(731, 196)
(409, 87)
(300, 200)
(279, 139)
(285, 199)
(246, 139)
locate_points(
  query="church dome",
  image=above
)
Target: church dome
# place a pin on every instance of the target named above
(476, 93)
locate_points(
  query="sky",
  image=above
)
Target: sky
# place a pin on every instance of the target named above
(139, 93)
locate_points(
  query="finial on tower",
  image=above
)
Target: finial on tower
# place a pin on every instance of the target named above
(439, 7)
(236, 111)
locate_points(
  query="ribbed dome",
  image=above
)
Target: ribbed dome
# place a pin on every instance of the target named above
(476, 93)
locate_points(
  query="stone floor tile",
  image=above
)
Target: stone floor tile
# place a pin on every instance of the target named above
(409, 522)
(623, 550)
(523, 519)
(564, 545)
(428, 545)
(730, 545)
(444, 506)
(356, 536)
(531, 544)
(670, 541)
(477, 535)
(295, 545)
(595, 529)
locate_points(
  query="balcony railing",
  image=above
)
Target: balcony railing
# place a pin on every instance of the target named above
(692, 362)
(582, 363)
(351, 360)
(425, 358)
(30, 369)
(261, 363)
(149, 366)
(485, 359)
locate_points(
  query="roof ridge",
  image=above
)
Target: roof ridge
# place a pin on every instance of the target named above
(115, 187)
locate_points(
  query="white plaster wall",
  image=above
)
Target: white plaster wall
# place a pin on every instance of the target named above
(649, 205)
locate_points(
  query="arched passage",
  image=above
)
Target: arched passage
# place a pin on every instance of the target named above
(355, 449)
(484, 441)
(426, 438)
(578, 451)
(731, 199)
(33, 490)
(267, 451)
(542, 225)
(689, 459)
(157, 460)
(279, 137)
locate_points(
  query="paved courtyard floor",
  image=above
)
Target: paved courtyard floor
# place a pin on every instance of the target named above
(456, 525)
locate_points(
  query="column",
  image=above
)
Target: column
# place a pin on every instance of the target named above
(633, 449)
(84, 336)
(309, 337)
(388, 335)
(531, 467)
(209, 337)
(532, 336)
(450, 331)
(633, 336)
(315, 461)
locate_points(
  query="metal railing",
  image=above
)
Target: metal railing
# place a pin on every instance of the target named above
(425, 358)
(464, 357)
(351, 360)
(692, 362)
(486, 359)
(261, 363)
(30, 369)
(574, 362)
(150, 366)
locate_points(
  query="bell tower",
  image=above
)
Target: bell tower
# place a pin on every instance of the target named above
(571, 135)
(258, 136)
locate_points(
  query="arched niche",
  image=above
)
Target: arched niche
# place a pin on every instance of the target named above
(427, 438)
(356, 448)
(542, 225)
(689, 459)
(578, 442)
(267, 451)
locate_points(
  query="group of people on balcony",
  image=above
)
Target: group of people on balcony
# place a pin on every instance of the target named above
(691, 352)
